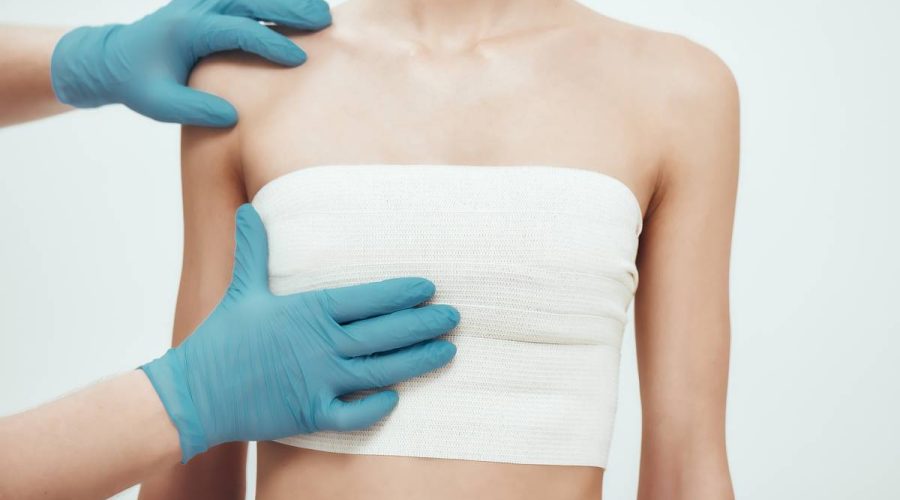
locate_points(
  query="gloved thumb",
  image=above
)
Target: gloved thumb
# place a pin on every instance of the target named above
(251, 253)
(169, 101)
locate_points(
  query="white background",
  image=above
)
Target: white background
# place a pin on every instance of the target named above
(91, 242)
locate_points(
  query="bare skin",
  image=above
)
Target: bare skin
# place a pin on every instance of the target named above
(492, 82)
(92, 443)
(25, 90)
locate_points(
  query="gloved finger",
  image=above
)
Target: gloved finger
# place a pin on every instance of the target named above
(358, 414)
(169, 101)
(251, 252)
(384, 369)
(220, 33)
(355, 302)
(395, 330)
(300, 14)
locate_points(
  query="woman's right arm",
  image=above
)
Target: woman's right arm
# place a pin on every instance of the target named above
(212, 190)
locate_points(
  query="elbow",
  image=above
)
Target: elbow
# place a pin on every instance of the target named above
(684, 465)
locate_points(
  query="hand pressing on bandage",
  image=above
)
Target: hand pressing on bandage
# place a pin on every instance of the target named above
(145, 65)
(264, 366)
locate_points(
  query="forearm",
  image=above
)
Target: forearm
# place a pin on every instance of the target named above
(221, 471)
(25, 89)
(120, 424)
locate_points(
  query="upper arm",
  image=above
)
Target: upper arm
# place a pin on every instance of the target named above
(682, 318)
(212, 191)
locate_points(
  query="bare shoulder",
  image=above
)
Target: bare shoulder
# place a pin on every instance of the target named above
(690, 75)
(672, 68)
(698, 108)
(694, 97)
(685, 94)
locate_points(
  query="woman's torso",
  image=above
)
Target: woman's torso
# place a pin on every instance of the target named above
(540, 262)
(582, 95)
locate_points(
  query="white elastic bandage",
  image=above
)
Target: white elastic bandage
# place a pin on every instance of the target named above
(540, 263)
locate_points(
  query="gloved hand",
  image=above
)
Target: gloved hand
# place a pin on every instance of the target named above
(263, 366)
(145, 65)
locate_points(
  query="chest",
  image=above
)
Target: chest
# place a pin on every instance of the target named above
(507, 109)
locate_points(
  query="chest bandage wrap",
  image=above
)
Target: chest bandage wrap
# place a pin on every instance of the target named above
(540, 263)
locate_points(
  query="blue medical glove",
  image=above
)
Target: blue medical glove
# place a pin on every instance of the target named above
(265, 367)
(145, 65)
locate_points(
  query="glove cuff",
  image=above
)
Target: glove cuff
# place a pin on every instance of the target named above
(78, 73)
(168, 378)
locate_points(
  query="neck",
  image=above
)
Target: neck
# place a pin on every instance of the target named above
(459, 24)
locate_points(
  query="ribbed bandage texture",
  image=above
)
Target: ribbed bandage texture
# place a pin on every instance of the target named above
(540, 263)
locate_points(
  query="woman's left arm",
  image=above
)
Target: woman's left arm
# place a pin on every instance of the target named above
(682, 317)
